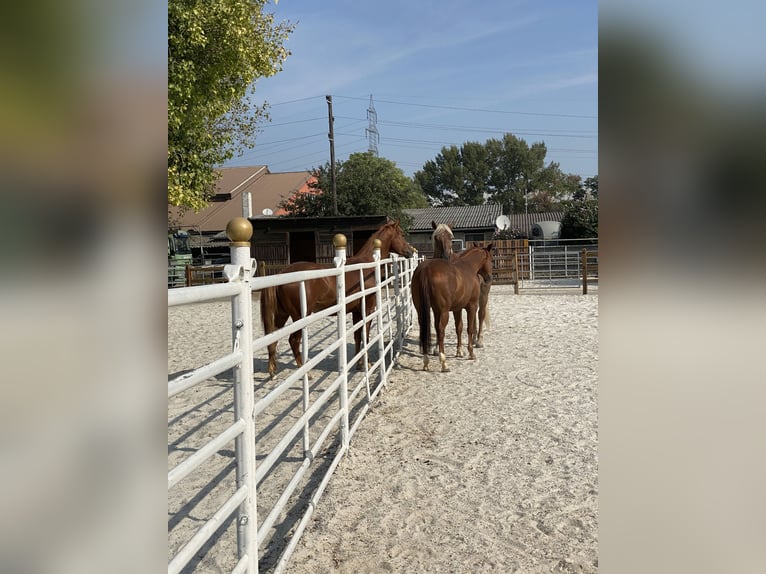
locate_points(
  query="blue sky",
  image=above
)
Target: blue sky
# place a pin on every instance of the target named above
(440, 73)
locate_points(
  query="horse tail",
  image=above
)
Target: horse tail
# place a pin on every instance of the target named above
(269, 302)
(424, 315)
(269, 309)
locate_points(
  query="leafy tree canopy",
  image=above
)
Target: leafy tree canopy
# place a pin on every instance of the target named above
(365, 185)
(580, 219)
(216, 50)
(588, 189)
(506, 171)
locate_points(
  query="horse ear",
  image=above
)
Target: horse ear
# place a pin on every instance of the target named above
(433, 224)
(489, 247)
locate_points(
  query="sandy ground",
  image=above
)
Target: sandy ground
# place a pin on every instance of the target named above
(491, 467)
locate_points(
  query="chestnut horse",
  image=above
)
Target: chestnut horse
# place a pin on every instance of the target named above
(442, 242)
(442, 286)
(283, 302)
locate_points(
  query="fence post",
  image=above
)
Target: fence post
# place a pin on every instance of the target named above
(304, 359)
(239, 231)
(584, 271)
(379, 307)
(339, 241)
(398, 306)
(515, 270)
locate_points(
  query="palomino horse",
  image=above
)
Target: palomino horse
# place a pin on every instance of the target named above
(283, 302)
(442, 242)
(441, 286)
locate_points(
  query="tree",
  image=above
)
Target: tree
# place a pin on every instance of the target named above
(507, 171)
(588, 189)
(216, 51)
(457, 176)
(580, 219)
(365, 185)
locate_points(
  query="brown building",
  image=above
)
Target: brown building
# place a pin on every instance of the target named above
(241, 191)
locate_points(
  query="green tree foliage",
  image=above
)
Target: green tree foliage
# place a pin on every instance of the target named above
(365, 185)
(216, 51)
(506, 171)
(580, 219)
(588, 189)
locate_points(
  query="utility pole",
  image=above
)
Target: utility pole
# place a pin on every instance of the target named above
(331, 136)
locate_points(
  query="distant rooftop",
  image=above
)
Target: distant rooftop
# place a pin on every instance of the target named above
(459, 217)
(467, 217)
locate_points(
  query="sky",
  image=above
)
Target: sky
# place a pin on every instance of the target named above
(440, 73)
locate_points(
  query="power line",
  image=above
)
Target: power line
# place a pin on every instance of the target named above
(447, 127)
(289, 123)
(483, 110)
(294, 101)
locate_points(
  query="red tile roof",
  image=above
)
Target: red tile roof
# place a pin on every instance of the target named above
(266, 189)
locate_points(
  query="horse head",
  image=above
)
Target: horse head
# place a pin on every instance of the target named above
(486, 265)
(442, 240)
(392, 235)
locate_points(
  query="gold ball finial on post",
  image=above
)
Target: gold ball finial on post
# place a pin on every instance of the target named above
(239, 231)
(377, 243)
(339, 241)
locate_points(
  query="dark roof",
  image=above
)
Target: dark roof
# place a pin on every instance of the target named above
(330, 223)
(459, 217)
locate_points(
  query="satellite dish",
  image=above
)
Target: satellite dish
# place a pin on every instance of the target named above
(267, 211)
(502, 222)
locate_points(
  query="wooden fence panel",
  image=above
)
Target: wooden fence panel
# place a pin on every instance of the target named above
(503, 254)
(204, 275)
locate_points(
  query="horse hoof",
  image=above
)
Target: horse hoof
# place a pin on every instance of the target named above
(445, 369)
(478, 345)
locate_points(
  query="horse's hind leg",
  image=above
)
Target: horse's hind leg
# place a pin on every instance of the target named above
(362, 331)
(295, 344)
(471, 329)
(435, 350)
(479, 341)
(279, 321)
(458, 315)
(442, 326)
(483, 304)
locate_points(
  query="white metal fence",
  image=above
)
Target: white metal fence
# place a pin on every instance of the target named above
(315, 424)
(556, 263)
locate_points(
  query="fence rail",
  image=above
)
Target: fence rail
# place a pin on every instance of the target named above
(390, 321)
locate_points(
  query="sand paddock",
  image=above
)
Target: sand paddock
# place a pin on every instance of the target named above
(491, 467)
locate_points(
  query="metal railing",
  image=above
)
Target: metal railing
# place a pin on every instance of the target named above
(556, 263)
(391, 319)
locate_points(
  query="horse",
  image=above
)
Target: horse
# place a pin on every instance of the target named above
(442, 240)
(442, 243)
(283, 302)
(442, 286)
